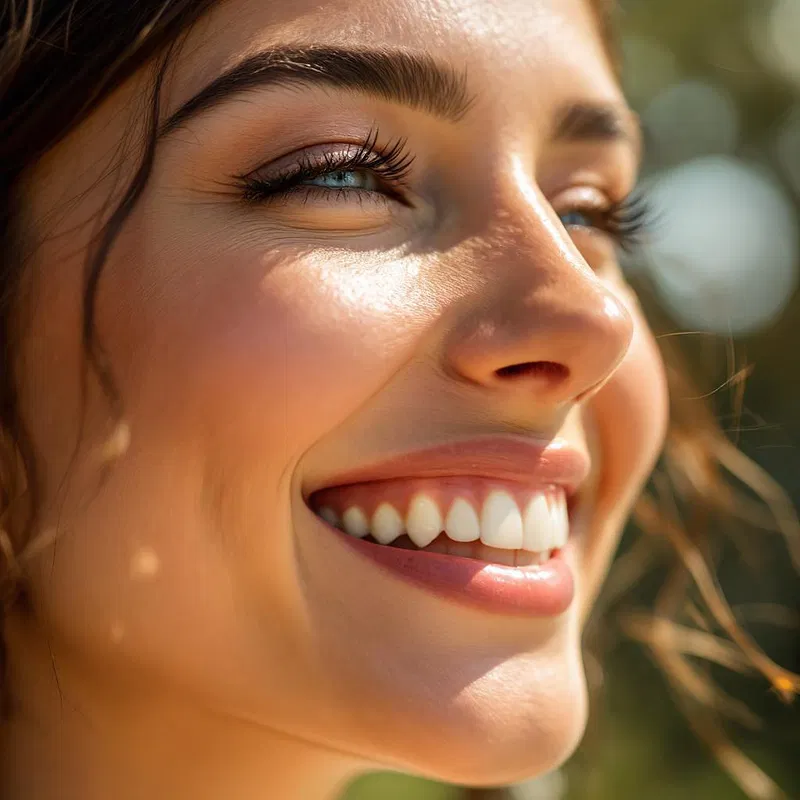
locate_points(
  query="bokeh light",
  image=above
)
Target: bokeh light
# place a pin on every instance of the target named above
(776, 37)
(723, 250)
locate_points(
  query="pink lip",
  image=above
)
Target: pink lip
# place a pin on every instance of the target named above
(502, 458)
(538, 591)
(544, 591)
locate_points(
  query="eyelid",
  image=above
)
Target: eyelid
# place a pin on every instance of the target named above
(294, 161)
(589, 197)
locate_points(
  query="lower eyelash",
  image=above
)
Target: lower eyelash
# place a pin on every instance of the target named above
(306, 193)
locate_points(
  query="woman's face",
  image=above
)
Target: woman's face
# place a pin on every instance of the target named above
(424, 330)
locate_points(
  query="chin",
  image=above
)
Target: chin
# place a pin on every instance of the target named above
(501, 730)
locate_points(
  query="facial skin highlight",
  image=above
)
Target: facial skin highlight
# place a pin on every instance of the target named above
(209, 634)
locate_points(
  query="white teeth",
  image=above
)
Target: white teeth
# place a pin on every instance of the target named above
(423, 521)
(387, 524)
(536, 525)
(561, 520)
(501, 522)
(546, 523)
(330, 516)
(462, 523)
(540, 529)
(355, 522)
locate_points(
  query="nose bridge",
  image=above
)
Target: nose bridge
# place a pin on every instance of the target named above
(542, 319)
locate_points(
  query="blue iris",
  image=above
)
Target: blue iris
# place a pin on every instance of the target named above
(576, 219)
(344, 179)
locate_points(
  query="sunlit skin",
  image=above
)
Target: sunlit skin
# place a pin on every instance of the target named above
(210, 637)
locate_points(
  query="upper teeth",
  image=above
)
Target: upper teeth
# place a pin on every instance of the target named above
(423, 521)
(542, 525)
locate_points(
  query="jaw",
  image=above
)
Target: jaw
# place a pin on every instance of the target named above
(432, 687)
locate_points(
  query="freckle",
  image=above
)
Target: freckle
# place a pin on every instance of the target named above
(145, 565)
(117, 631)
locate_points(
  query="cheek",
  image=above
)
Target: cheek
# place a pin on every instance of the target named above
(229, 366)
(630, 416)
(268, 349)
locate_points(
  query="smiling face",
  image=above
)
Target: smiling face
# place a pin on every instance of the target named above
(372, 280)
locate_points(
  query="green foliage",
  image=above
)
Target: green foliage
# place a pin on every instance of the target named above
(386, 786)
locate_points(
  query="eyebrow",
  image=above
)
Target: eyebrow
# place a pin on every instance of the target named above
(411, 79)
(597, 122)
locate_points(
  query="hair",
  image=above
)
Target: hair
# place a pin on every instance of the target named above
(59, 59)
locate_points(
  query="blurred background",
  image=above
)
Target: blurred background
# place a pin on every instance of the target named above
(717, 85)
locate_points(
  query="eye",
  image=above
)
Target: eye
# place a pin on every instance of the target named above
(346, 179)
(364, 171)
(578, 219)
(623, 222)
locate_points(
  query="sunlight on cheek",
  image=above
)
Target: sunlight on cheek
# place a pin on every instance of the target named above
(373, 285)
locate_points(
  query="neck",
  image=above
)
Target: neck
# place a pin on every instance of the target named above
(67, 738)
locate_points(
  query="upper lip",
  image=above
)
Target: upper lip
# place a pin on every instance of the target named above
(512, 458)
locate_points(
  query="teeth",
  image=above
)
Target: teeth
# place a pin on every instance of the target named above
(423, 521)
(438, 546)
(536, 524)
(330, 516)
(546, 523)
(462, 523)
(540, 529)
(506, 557)
(526, 559)
(561, 520)
(387, 524)
(501, 522)
(355, 522)
(463, 549)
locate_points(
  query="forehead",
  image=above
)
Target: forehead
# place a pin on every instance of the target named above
(544, 48)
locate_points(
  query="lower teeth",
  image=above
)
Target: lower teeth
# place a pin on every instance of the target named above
(474, 550)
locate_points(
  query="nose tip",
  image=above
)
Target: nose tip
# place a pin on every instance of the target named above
(560, 344)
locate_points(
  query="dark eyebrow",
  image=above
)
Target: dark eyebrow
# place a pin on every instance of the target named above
(582, 122)
(411, 79)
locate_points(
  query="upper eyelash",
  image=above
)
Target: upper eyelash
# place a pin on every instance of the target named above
(392, 163)
(627, 220)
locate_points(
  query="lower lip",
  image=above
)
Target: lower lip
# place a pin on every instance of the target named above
(535, 591)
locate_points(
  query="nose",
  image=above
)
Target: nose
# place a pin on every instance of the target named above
(543, 324)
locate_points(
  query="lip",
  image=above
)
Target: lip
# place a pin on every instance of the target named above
(512, 458)
(536, 591)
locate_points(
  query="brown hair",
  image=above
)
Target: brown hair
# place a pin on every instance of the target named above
(58, 61)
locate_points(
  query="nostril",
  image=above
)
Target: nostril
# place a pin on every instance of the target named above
(550, 370)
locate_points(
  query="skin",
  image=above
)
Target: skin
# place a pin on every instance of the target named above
(192, 630)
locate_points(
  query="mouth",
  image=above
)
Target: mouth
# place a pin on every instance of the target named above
(485, 522)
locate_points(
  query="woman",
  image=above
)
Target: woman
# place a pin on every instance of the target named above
(324, 399)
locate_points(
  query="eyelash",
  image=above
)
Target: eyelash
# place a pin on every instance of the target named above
(624, 221)
(390, 164)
